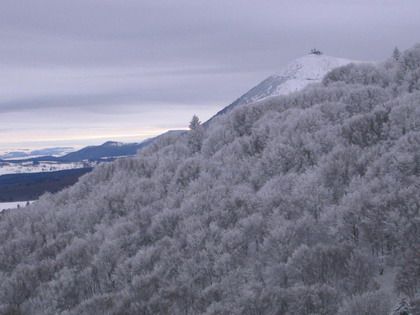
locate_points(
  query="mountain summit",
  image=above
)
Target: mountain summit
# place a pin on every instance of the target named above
(294, 77)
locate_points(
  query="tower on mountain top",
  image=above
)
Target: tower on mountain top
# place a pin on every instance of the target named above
(315, 51)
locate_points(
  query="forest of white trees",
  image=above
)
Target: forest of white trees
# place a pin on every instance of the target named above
(296, 205)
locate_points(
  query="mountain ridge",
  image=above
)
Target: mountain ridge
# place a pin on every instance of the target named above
(106, 150)
(295, 76)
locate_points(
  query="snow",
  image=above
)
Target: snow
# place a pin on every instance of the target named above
(114, 144)
(308, 69)
(295, 76)
(26, 157)
(16, 154)
(29, 167)
(13, 205)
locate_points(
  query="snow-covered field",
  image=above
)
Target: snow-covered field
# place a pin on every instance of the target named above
(29, 167)
(13, 205)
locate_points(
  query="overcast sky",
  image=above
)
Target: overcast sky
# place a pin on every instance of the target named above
(84, 71)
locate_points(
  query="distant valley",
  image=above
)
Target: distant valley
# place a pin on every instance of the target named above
(26, 175)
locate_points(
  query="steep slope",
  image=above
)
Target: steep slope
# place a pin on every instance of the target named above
(294, 77)
(294, 205)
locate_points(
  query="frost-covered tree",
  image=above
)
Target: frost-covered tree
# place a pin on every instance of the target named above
(368, 303)
(195, 135)
(396, 54)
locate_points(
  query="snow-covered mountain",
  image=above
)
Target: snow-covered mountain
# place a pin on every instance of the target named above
(26, 153)
(310, 207)
(294, 77)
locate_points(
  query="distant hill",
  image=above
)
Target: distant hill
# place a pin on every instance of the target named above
(30, 186)
(110, 149)
(55, 151)
(106, 151)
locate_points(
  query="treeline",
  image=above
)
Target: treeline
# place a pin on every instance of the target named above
(302, 204)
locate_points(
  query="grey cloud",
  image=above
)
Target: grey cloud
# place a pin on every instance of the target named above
(244, 33)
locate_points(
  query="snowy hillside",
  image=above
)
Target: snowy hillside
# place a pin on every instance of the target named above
(295, 205)
(294, 77)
